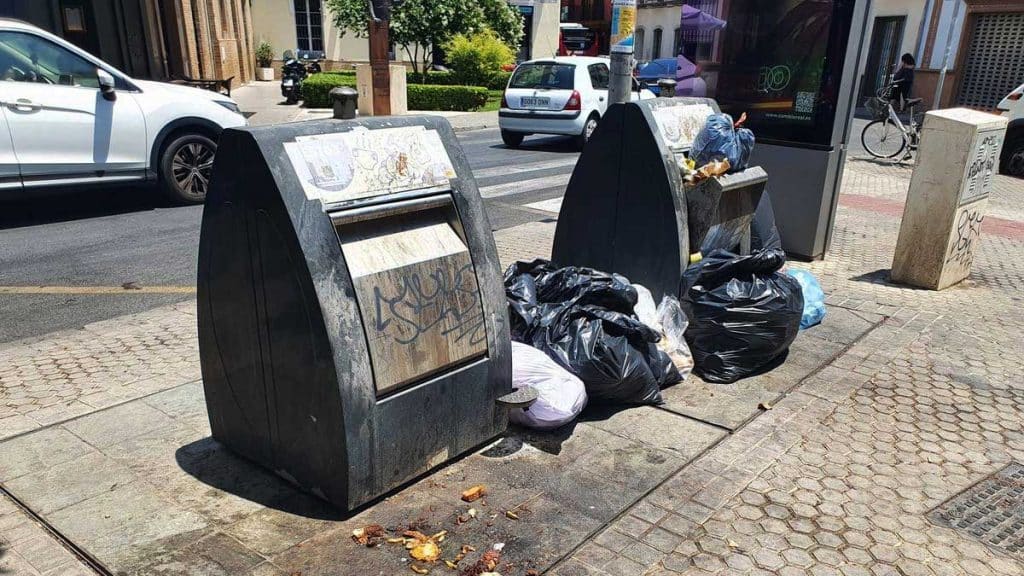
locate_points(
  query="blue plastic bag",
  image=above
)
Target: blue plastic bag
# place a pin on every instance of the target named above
(814, 297)
(718, 140)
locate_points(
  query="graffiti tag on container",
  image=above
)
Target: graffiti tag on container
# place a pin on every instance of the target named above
(968, 231)
(442, 300)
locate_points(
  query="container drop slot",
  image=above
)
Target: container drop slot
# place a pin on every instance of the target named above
(416, 287)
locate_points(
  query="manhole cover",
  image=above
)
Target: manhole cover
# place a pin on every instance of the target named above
(991, 511)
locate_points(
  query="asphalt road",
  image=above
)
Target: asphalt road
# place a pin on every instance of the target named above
(60, 256)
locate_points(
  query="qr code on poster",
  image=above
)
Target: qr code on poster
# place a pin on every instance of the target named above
(804, 102)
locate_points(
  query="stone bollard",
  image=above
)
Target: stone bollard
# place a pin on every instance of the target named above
(941, 227)
(345, 101)
(666, 88)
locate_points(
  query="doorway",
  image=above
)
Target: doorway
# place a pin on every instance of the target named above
(992, 65)
(883, 53)
(525, 53)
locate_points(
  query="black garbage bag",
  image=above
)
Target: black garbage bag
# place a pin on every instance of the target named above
(720, 140)
(743, 313)
(583, 319)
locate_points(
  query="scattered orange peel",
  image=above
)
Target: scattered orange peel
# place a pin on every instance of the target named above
(474, 493)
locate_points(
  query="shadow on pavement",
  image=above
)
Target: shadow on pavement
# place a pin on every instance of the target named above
(549, 442)
(65, 204)
(544, 144)
(881, 276)
(213, 464)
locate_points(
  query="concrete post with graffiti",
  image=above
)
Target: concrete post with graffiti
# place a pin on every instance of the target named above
(941, 228)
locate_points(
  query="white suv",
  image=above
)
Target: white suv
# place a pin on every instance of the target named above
(565, 95)
(68, 118)
(1012, 161)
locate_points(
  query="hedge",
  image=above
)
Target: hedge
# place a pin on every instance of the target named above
(497, 82)
(431, 97)
(317, 88)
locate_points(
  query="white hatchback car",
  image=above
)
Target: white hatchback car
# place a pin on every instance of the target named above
(564, 95)
(1012, 161)
(68, 118)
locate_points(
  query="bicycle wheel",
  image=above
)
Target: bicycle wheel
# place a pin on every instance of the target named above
(883, 139)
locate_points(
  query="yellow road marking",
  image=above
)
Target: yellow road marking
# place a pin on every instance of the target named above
(88, 290)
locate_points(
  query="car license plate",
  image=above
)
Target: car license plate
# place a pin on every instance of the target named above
(535, 102)
(287, 82)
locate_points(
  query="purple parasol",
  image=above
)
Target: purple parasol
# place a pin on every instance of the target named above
(694, 19)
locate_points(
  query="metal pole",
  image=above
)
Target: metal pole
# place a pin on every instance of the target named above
(945, 57)
(380, 66)
(623, 28)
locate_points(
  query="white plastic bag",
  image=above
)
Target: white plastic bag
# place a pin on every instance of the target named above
(669, 320)
(645, 309)
(672, 323)
(561, 396)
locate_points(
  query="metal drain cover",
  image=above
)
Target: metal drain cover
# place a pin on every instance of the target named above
(991, 511)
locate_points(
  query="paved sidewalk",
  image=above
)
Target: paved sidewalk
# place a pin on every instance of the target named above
(828, 465)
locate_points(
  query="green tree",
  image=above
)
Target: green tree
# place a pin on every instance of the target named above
(417, 26)
(477, 58)
(504, 20)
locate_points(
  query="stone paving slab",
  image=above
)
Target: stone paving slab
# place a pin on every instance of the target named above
(732, 405)
(27, 549)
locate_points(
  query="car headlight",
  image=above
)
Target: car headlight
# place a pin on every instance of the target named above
(229, 105)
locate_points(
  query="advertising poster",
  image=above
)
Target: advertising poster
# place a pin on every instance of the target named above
(364, 163)
(782, 64)
(623, 24)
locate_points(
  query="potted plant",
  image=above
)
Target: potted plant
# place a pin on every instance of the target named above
(265, 59)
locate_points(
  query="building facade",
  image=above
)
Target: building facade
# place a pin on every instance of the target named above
(540, 27)
(309, 25)
(658, 34)
(156, 39)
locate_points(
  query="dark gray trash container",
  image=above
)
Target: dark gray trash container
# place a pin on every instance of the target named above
(345, 101)
(352, 324)
(626, 208)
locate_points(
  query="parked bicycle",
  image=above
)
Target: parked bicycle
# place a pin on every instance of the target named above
(887, 135)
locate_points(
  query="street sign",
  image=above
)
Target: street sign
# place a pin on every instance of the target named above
(623, 26)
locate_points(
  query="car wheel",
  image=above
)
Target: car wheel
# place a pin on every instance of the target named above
(588, 131)
(1012, 161)
(186, 165)
(512, 139)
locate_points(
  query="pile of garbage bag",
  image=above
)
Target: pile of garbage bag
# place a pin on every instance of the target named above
(744, 313)
(584, 320)
(722, 139)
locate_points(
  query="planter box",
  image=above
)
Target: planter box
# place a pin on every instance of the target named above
(266, 74)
